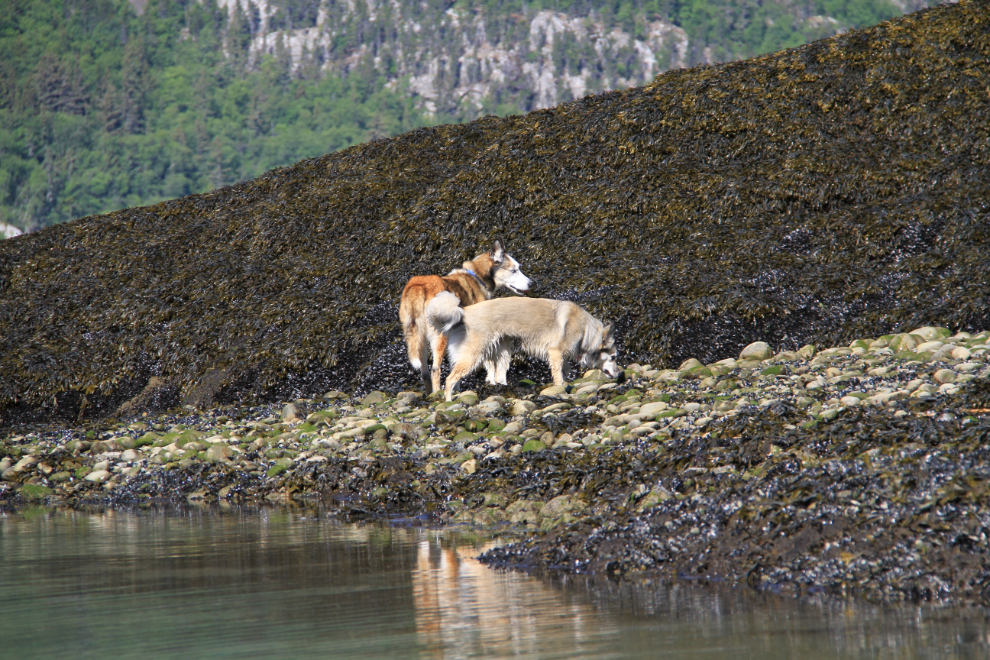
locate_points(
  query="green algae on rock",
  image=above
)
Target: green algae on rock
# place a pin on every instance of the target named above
(818, 194)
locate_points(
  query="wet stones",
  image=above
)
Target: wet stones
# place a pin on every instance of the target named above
(758, 350)
(522, 407)
(290, 413)
(552, 458)
(98, 476)
(373, 398)
(944, 376)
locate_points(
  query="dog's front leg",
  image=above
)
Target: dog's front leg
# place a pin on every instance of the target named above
(556, 358)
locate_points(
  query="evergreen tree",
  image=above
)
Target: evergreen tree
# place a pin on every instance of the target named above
(102, 108)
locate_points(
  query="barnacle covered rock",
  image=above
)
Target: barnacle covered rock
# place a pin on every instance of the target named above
(809, 196)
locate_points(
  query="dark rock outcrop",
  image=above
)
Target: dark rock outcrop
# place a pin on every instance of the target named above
(829, 191)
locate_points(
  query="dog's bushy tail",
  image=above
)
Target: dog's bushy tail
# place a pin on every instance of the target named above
(444, 311)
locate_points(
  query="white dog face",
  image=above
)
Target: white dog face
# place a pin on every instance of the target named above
(604, 358)
(510, 276)
(608, 364)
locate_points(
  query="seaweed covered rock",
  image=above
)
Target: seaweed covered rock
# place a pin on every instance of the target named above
(810, 196)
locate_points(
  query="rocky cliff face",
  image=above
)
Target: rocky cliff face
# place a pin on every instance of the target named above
(8, 231)
(472, 58)
(462, 62)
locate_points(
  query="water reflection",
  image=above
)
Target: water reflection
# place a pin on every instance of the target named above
(257, 583)
(464, 609)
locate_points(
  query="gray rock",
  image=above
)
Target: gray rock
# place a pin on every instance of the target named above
(25, 464)
(410, 431)
(130, 456)
(290, 413)
(522, 407)
(513, 428)
(587, 388)
(98, 476)
(904, 342)
(944, 376)
(942, 354)
(487, 408)
(450, 415)
(219, 452)
(931, 333)
(758, 350)
(373, 398)
(523, 511)
(558, 506)
(690, 363)
(961, 353)
(653, 408)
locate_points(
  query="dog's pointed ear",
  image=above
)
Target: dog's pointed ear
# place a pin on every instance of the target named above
(498, 252)
(608, 339)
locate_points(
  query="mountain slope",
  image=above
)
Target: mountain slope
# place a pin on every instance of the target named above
(103, 106)
(829, 191)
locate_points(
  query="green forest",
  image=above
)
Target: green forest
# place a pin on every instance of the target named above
(106, 105)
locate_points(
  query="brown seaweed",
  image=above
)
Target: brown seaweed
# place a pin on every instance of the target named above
(821, 193)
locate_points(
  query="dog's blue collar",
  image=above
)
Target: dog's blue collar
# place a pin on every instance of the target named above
(475, 276)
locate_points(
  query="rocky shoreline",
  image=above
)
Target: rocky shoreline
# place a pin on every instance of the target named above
(855, 471)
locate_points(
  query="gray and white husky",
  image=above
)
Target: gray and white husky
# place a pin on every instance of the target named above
(554, 330)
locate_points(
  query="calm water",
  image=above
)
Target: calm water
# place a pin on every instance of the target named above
(256, 583)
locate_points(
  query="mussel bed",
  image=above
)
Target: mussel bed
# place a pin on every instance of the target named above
(814, 195)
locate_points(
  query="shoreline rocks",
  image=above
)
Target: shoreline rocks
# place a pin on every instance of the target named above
(853, 471)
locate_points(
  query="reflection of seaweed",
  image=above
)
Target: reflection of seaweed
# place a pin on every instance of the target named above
(821, 193)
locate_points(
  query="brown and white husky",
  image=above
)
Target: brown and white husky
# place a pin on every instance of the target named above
(555, 330)
(473, 282)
